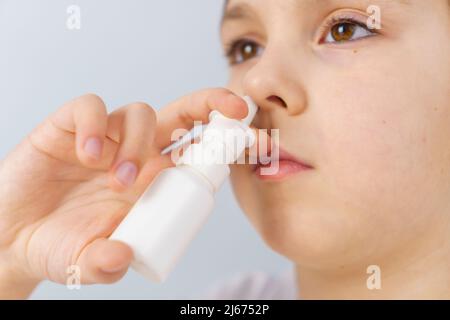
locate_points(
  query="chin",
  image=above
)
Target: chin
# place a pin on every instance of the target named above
(295, 220)
(306, 237)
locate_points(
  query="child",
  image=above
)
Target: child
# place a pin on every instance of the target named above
(363, 182)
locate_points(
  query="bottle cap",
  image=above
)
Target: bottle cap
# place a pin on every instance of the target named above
(222, 143)
(252, 109)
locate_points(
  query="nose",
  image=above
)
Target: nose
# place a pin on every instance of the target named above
(273, 84)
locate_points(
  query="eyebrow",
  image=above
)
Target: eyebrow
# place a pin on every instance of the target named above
(236, 12)
(242, 11)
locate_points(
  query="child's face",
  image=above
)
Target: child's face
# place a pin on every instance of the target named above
(369, 111)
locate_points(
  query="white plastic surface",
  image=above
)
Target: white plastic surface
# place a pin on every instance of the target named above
(165, 220)
(178, 202)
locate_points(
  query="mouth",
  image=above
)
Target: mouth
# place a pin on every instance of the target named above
(279, 166)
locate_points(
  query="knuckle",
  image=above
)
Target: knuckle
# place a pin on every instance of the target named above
(92, 98)
(142, 109)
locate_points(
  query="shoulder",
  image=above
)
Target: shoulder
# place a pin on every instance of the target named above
(254, 286)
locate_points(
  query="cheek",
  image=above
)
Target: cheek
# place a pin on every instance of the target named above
(265, 206)
(380, 144)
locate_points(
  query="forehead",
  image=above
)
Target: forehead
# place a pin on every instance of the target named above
(233, 7)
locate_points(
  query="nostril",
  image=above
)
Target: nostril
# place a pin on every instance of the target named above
(277, 100)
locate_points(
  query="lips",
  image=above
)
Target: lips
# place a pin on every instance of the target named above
(280, 168)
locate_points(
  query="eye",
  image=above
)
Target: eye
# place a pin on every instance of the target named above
(242, 50)
(347, 30)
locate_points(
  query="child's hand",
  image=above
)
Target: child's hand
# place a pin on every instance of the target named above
(66, 187)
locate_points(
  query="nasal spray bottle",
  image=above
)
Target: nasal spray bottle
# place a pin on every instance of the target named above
(179, 200)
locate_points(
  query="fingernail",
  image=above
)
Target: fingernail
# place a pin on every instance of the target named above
(93, 147)
(114, 269)
(126, 173)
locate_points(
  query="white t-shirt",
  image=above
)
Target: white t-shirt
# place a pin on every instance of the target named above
(255, 286)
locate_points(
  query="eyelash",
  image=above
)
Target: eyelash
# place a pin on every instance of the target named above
(232, 47)
(334, 21)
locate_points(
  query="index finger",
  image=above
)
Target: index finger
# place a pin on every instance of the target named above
(182, 113)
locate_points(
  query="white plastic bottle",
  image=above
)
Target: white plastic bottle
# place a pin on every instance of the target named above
(179, 200)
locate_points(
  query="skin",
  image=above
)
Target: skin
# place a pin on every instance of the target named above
(374, 126)
(61, 201)
(372, 117)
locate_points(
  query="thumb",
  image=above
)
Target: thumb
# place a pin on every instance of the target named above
(104, 261)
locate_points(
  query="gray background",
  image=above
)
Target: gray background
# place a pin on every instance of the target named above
(153, 51)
